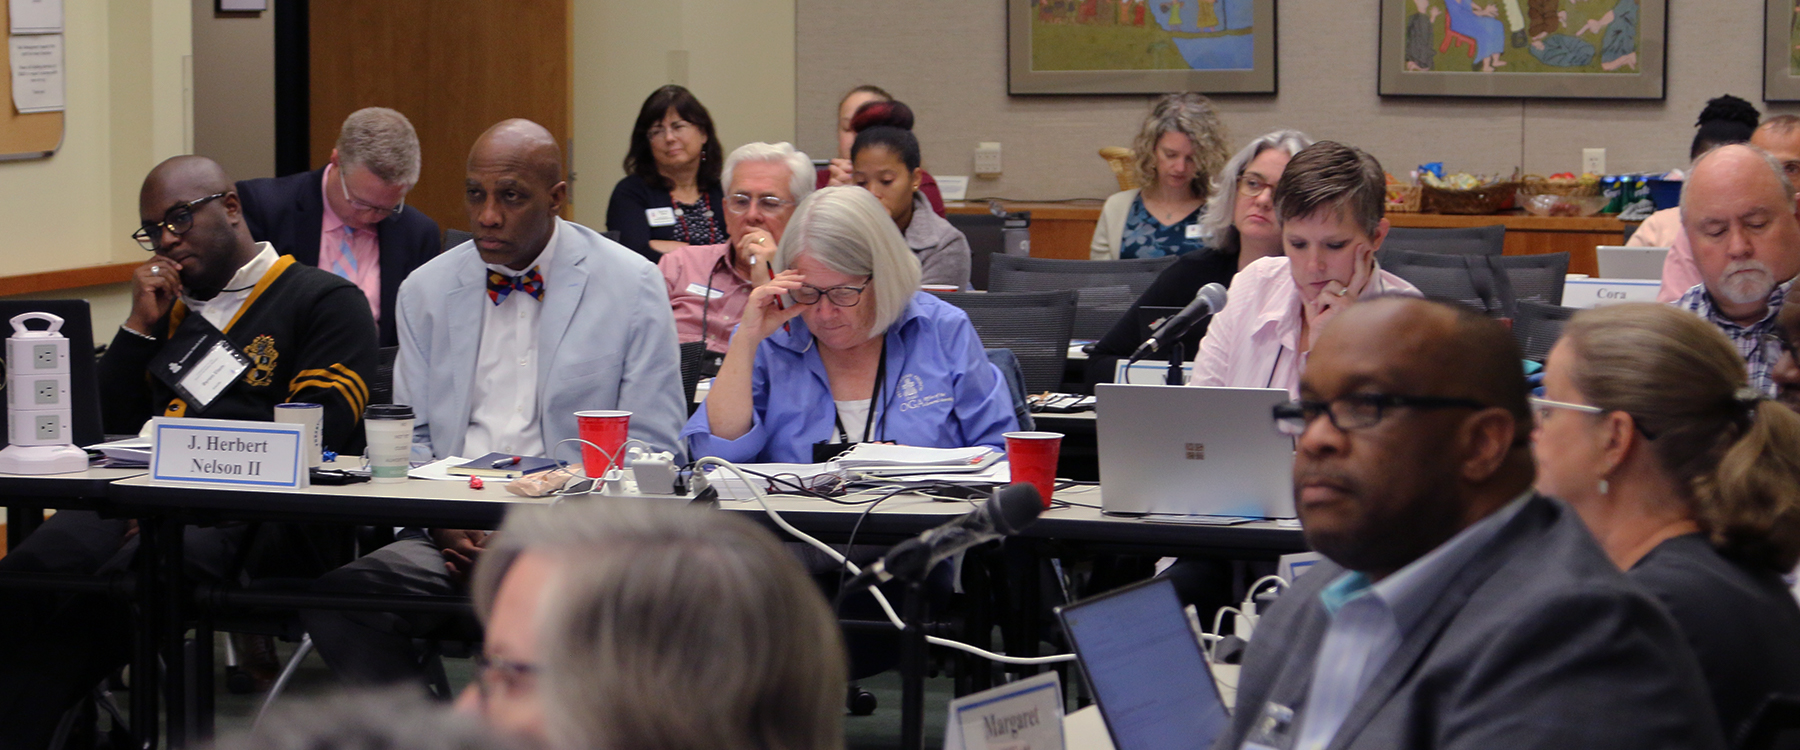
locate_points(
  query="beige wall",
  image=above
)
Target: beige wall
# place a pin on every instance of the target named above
(948, 60)
(737, 56)
(234, 90)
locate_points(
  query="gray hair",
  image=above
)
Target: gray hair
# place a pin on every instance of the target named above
(1191, 115)
(668, 626)
(800, 184)
(1787, 186)
(1216, 228)
(847, 229)
(382, 141)
(387, 719)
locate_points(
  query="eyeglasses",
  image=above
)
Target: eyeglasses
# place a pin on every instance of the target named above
(370, 207)
(738, 203)
(842, 296)
(495, 676)
(677, 128)
(1542, 407)
(1357, 412)
(1251, 186)
(177, 220)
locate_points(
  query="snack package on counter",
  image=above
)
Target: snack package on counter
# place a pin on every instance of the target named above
(544, 483)
(1434, 168)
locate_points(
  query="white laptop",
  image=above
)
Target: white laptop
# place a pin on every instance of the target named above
(1619, 262)
(1185, 451)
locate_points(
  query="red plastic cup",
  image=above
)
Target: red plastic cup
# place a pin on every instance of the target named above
(606, 429)
(1032, 456)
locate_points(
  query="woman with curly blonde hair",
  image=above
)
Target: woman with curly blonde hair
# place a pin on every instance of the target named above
(1180, 148)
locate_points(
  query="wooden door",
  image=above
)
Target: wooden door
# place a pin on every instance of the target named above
(453, 67)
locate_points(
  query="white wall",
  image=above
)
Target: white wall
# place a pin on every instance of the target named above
(234, 90)
(737, 56)
(947, 59)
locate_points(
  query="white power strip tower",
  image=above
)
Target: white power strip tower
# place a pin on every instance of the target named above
(37, 401)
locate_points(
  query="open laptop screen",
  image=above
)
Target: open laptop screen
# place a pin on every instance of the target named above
(1146, 669)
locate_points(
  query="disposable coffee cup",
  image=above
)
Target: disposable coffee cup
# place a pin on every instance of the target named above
(1032, 458)
(389, 428)
(602, 430)
(312, 416)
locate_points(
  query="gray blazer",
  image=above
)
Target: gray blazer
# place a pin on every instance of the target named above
(1540, 643)
(606, 339)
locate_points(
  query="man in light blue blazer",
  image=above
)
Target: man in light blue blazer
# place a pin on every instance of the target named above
(502, 340)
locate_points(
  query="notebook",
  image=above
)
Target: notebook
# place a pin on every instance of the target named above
(1183, 451)
(1145, 668)
(503, 466)
(1618, 262)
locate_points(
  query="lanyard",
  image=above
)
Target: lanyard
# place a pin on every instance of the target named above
(874, 401)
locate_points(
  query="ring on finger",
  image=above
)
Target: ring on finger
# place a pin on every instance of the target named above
(1341, 292)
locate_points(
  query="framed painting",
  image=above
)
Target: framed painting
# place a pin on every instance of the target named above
(1781, 51)
(1555, 49)
(1140, 46)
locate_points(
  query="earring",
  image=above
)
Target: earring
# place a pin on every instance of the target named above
(1604, 487)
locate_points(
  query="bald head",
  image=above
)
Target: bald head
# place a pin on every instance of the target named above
(1741, 219)
(184, 175)
(514, 191)
(194, 192)
(524, 143)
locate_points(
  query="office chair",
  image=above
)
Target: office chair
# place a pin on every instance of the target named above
(986, 234)
(1492, 284)
(1036, 326)
(1489, 240)
(454, 237)
(1537, 327)
(1098, 310)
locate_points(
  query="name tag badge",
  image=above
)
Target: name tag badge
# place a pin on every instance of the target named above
(1274, 729)
(229, 452)
(1021, 715)
(198, 363)
(660, 217)
(703, 290)
(1193, 231)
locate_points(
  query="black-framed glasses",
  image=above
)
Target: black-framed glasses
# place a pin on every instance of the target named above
(1359, 411)
(177, 221)
(494, 675)
(1251, 186)
(842, 296)
(738, 203)
(365, 206)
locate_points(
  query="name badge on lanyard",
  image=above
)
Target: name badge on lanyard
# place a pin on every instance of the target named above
(660, 217)
(703, 290)
(198, 363)
(1193, 231)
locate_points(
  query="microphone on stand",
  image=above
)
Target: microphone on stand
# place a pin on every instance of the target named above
(1010, 509)
(1209, 300)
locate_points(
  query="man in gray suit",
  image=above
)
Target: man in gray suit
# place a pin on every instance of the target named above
(1457, 608)
(502, 340)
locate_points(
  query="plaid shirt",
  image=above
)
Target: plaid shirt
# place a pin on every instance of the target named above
(1753, 342)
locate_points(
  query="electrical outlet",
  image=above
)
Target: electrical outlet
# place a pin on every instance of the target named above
(43, 356)
(1593, 160)
(46, 393)
(49, 426)
(987, 158)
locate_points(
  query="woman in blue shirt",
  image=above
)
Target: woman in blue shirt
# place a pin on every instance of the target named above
(842, 347)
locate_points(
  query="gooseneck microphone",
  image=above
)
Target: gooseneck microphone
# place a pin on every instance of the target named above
(1010, 509)
(1209, 300)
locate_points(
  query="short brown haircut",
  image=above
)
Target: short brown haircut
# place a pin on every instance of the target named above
(1331, 175)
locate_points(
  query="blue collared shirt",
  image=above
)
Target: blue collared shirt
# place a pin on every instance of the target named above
(940, 391)
(1369, 619)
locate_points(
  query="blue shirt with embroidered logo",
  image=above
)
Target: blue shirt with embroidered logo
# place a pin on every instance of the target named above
(940, 391)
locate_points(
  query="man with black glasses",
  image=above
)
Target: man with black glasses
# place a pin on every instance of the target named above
(1456, 608)
(210, 306)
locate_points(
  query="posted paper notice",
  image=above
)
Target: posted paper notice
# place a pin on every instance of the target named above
(37, 73)
(36, 16)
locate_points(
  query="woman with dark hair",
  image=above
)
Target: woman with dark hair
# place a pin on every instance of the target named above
(670, 197)
(885, 160)
(836, 173)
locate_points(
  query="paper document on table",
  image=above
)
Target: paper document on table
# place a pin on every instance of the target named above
(36, 16)
(878, 457)
(733, 487)
(439, 470)
(37, 73)
(132, 451)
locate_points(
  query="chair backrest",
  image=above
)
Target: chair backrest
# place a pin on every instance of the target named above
(381, 387)
(1015, 385)
(1489, 240)
(454, 237)
(693, 354)
(1775, 726)
(1492, 284)
(987, 238)
(1101, 309)
(1537, 327)
(1539, 278)
(1036, 326)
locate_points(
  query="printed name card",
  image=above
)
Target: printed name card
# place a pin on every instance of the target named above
(1586, 293)
(1023, 715)
(229, 452)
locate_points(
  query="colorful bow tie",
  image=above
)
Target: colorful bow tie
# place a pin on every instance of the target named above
(500, 285)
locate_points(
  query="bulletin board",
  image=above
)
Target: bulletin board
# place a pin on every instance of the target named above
(33, 136)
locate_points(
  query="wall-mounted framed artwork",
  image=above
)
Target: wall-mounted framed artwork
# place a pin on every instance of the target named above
(1140, 46)
(1560, 49)
(1781, 51)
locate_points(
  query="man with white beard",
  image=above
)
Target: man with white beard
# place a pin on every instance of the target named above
(1741, 218)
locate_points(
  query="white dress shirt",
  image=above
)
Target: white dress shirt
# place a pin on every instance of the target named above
(503, 415)
(225, 305)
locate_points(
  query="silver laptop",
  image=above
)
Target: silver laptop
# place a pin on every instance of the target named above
(1617, 262)
(1177, 451)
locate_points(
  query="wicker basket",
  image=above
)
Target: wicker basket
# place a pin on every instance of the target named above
(1124, 165)
(1487, 199)
(1567, 188)
(1402, 199)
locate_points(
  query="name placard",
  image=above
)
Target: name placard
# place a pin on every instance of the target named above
(1586, 293)
(1023, 715)
(229, 452)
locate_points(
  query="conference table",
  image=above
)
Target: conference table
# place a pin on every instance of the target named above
(171, 604)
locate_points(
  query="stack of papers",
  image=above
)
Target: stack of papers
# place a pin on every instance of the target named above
(731, 487)
(128, 453)
(876, 458)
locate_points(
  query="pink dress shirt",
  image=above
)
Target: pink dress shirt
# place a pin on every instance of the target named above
(363, 266)
(704, 285)
(1663, 229)
(1254, 341)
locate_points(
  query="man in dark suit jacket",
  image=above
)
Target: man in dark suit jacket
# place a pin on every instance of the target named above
(350, 217)
(1458, 609)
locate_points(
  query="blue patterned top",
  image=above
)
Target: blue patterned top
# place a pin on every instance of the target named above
(1145, 237)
